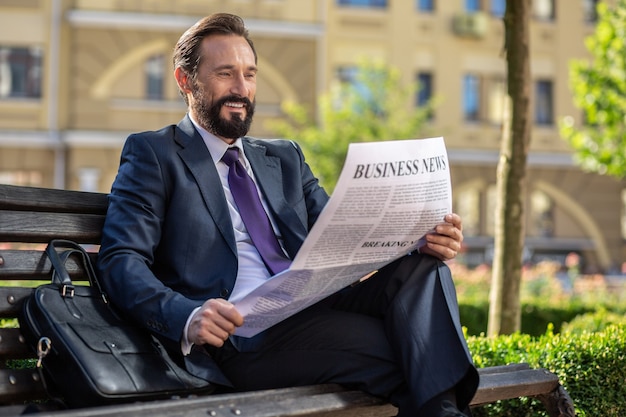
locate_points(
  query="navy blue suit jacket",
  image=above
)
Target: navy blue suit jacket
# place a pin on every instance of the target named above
(168, 243)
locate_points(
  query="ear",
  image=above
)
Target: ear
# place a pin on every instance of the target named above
(182, 79)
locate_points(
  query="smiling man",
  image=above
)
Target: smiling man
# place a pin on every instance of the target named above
(220, 94)
(201, 214)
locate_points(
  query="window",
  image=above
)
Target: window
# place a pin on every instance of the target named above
(490, 209)
(543, 9)
(484, 98)
(363, 3)
(590, 10)
(541, 215)
(20, 72)
(496, 100)
(467, 205)
(22, 177)
(498, 8)
(472, 6)
(347, 74)
(349, 81)
(363, 87)
(88, 179)
(543, 103)
(426, 5)
(154, 70)
(471, 98)
(425, 88)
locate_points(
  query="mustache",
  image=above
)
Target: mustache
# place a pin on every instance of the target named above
(233, 99)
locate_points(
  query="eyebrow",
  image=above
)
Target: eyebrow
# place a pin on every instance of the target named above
(229, 66)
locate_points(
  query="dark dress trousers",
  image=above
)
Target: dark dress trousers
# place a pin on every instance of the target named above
(168, 245)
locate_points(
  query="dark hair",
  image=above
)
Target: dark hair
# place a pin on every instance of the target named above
(187, 50)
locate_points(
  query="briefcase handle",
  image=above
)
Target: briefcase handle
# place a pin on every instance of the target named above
(60, 276)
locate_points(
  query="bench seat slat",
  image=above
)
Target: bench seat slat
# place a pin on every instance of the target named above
(40, 227)
(499, 369)
(19, 385)
(302, 401)
(311, 400)
(521, 383)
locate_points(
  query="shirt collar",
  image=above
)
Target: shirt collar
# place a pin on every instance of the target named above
(216, 146)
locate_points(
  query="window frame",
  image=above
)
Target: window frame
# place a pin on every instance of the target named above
(544, 102)
(472, 6)
(472, 98)
(590, 11)
(425, 82)
(154, 73)
(497, 8)
(372, 4)
(537, 14)
(23, 67)
(425, 6)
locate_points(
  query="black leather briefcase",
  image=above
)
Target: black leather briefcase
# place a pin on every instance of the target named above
(87, 354)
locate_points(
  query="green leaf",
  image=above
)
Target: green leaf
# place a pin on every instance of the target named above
(599, 89)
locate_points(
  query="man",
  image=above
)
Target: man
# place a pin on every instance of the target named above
(177, 252)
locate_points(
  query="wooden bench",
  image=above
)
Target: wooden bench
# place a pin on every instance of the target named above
(31, 217)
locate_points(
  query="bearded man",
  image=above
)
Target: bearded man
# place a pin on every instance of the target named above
(178, 250)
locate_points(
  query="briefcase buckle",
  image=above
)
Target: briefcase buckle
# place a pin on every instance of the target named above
(67, 291)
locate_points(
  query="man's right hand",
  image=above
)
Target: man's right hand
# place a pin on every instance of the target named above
(213, 323)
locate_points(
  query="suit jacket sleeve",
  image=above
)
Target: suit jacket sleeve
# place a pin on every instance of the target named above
(133, 231)
(168, 243)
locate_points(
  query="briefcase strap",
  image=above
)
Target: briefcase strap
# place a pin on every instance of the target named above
(60, 276)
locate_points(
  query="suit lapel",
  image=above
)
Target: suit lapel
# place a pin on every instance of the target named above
(268, 173)
(196, 156)
(269, 176)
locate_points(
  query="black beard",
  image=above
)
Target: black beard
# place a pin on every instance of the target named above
(209, 116)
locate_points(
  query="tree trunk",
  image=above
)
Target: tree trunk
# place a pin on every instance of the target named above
(504, 309)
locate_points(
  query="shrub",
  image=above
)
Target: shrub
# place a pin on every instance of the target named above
(548, 296)
(593, 322)
(589, 365)
(537, 315)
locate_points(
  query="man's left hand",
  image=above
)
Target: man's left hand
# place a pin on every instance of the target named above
(444, 242)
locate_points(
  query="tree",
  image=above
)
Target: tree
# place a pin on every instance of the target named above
(376, 106)
(504, 305)
(599, 89)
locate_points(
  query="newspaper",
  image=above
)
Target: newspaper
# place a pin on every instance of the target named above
(388, 196)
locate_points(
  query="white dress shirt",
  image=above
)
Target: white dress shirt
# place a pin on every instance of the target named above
(251, 271)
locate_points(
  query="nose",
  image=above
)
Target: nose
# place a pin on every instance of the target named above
(240, 86)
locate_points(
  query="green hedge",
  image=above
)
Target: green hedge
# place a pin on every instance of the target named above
(536, 316)
(591, 365)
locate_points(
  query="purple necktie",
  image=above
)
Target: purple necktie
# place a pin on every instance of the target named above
(253, 215)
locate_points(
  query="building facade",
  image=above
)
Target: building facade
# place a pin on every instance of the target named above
(77, 76)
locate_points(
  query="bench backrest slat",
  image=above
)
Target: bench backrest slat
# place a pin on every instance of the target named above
(11, 299)
(37, 215)
(13, 346)
(34, 265)
(40, 227)
(29, 218)
(44, 199)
